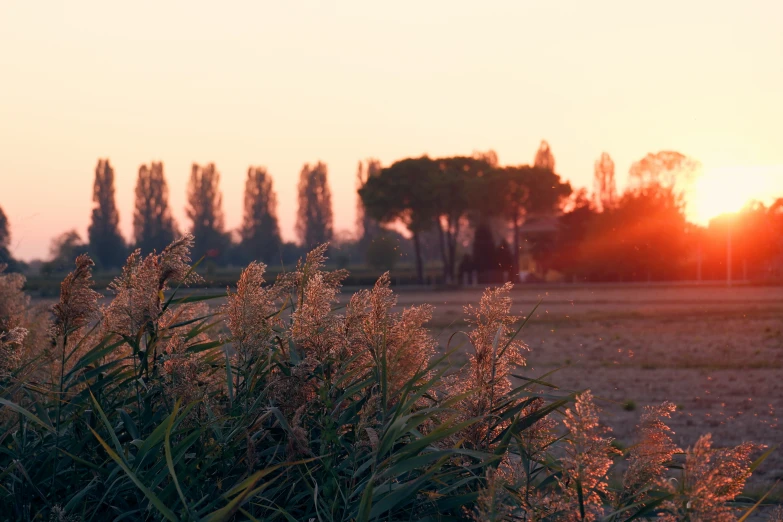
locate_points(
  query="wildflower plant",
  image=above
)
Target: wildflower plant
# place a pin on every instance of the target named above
(279, 405)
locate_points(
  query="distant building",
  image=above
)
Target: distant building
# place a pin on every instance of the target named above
(534, 229)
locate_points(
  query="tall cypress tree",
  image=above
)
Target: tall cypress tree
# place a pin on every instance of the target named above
(153, 225)
(5, 243)
(604, 186)
(106, 242)
(260, 230)
(314, 222)
(367, 228)
(544, 160)
(205, 211)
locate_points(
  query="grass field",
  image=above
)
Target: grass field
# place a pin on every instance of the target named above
(716, 352)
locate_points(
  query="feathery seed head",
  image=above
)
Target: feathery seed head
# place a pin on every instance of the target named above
(652, 451)
(78, 301)
(252, 313)
(13, 302)
(588, 457)
(137, 302)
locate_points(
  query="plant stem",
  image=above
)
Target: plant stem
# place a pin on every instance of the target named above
(59, 404)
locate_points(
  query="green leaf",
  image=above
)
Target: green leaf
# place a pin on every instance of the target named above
(229, 380)
(244, 493)
(404, 491)
(196, 348)
(160, 506)
(759, 461)
(108, 425)
(77, 498)
(129, 424)
(45, 425)
(170, 461)
(365, 505)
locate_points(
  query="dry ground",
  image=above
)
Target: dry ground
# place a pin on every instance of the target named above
(716, 352)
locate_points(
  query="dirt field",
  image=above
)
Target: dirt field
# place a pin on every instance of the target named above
(715, 352)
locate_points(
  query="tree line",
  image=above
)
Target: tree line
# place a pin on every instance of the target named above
(544, 227)
(475, 218)
(258, 237)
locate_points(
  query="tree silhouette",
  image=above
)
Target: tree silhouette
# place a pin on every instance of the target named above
(314, 218)
(205, 211)
(367, 228)
(569, 253)
(643, 237)
(489, 156)
(544, 158)
(5, 242)
(646, 230)
(63, 249)
(153, 226)
(260, 230)
(404, 191)
(453, 187)
(525, 191)
(668, 169)
(484, 258)
(5, 230)
(604, 186)
(106, 242)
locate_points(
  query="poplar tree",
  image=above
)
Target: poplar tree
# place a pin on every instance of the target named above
(314, 221)
(153, 225)
(205, 211)
(260, 230)
(106, 243)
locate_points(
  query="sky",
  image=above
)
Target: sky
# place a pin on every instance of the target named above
(281, 84)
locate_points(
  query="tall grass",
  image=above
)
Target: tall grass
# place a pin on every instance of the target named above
(275, 406)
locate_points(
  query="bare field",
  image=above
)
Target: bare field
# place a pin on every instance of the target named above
(716, 352)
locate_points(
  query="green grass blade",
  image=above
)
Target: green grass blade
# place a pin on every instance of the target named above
(757, 504)
(108, 425)
(170, 461)
(160, 506)
(18, 409)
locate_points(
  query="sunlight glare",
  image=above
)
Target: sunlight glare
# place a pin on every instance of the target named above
(726, 190)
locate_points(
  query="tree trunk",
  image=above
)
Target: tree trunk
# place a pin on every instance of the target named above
(419, 265)
(443, 255)
(515, 264)
(452, 245)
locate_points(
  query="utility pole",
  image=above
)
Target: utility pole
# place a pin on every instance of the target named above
(728, 253)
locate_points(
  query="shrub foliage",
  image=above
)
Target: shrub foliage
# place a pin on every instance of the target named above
(279, 405)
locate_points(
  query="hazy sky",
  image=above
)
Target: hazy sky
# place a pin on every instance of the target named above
(284, 83)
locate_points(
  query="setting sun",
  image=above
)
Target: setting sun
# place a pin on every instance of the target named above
(725, 190)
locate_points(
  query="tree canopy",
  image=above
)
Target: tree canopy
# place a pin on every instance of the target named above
(205, 211)
(314, 221)
(544, 158)
(604, 185)
(404, 192)
(668, 169)
(492, 216)
(6, 259)
(366, 227)
(106, 243)
(153, 225)
(260, 231)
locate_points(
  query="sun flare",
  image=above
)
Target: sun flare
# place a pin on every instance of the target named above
(728, 189)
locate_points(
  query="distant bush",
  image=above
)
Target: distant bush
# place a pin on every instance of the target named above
(382, 253)
(274, 407)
